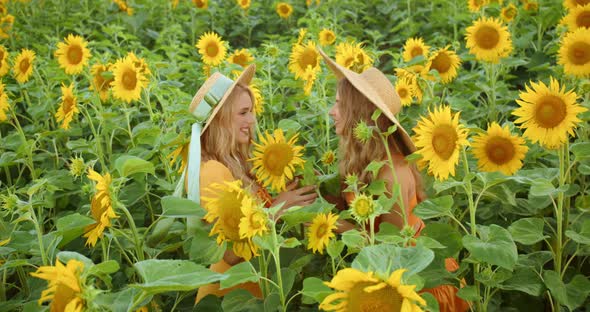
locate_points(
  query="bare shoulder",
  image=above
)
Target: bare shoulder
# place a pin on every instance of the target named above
(403, 172)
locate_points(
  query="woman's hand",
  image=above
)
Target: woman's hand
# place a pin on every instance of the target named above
(294, 196)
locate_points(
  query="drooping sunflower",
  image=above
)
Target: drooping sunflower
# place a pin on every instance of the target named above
(574, 53)
(128, 80)
(225, 203)
(211, 48)
(439, 139)
(321, 231)
(578, 17)
(244, 4)
(509, 12)
(488, 40)
(326, 37)
(499, 150)
(304, 56)
(100, 83)
(201, 4)
(101, 207)
(413, 48)
(64, 288)
(284, 10)
(309, 77)
(412, 78)
(68, 108)
(258, 98)
(405, 90)
(4, 105)
(180, 152)
(275, 159)
(23, 65)
(360, 291)
(241, 57)
(353, 56)
(4, 67)
(548, 113)
(572, 4)
(72, 54)
(445, 62)
(254, 222)
(362, 207)
(476, 5)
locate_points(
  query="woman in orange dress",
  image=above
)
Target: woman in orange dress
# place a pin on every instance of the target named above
(219, 150)
(358, 97)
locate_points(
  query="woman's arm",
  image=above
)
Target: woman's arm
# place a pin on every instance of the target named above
(406, 180)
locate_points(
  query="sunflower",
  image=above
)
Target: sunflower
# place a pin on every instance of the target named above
(362, 208)
(574, 53)
(100, 83)
(548, 113)
(476, 5)
(439, 139)
(509, 13)
(69, 107)
(572, 4)
(128, 80)
(139, 63)
(4, 67)
(211, 48)
(414, 47)
(578, 17)
(326, 37)
(320, 231)
(225, 203)
(275, 159)
(123, 6)
(405, 90)
(328, 158)
(174, 3)
(284, 10)
(254, 222)
(258, 98)
(360, 291)
(244, 4)
(6, 23)
(353, 56)
(77, 167)
(499, 150)
(445, 62)
(23, 65)
(64, 287)
(309, 77)
(531, 5)
(4, 105)
(301, 36)
(488, 40)
(304, 56)
(241, 57)
(201, 4)
(72, 54)
(101, 207)
(182, 152)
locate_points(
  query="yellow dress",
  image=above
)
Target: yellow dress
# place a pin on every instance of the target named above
(215, 172)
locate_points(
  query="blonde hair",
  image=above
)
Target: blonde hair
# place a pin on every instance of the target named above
(219, 142)
(355, 107)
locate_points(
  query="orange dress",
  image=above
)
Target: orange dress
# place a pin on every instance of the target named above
(215, 172)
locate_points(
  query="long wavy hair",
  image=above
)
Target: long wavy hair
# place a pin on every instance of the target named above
(355, 107)
(219, 143)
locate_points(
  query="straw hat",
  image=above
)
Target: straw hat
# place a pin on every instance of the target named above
(373, 84)
(214, 93)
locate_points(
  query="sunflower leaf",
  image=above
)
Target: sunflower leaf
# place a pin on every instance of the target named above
(384, 259)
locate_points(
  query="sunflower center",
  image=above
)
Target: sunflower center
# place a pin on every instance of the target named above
(583, 20)
(328, 37)
(384, 299)
(510, 13)
(1, 55)
(241, 60)
(75, 54)
(322, 230)
(212, 49)
(402, 92)
(230, 215)
(416, 51)
(363, 208)
(579, 53)
(68, 105)
(284, 9)
(129, 79)
(487, 37)
(499, 150)
(444, 140)
(349, 61)
(550, 112)
(582, 2)
(257, 220)
(442, 63)
(276, 157)
(309, 57)
(24, 65)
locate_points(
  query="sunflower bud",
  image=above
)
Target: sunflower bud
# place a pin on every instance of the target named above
(363, 132)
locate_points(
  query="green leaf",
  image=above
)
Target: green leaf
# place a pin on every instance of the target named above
(177, 207)
(72, 226)
(495, 247)
(468, 293)
(434, 207)
(374, 167)
(581, 150)
(205, 249)
(440, 186)
(555, 285)
(388, 233)
(127, 165)
(315, 288)
(240, 300)
(353, 239)
(384, 259)
(526, 280)
(65, 256)
(577, 291)
(289, 126)
(376, 187)
(544, 187)
(446, 235)
(238, 274)
(107, 267)
(173, 275)
(581, 237)
(290, 242)
(335, 248)
(159, 232)
(429, 243)
(527, 231)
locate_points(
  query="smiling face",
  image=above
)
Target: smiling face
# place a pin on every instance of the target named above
(335, 114)
(242, 116)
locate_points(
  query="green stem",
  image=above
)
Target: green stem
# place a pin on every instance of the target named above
(105, 253)
(276, 257)
(96, 137)
(136, 238)
(28, 149)
(559, 212)
(39, 231)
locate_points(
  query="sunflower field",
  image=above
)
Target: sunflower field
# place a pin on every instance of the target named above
(94, 133)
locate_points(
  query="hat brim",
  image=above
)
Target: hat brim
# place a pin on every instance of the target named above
(245, 78)
(364, 87)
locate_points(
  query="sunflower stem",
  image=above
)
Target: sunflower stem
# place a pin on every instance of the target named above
(559, 212)
(96, 137)
(28, 148)
(276, 257)
(105, 254)
(136, 239)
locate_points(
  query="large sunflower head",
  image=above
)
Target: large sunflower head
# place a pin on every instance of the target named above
(352, 56)
(68, 108)
(574, 53)
(284, 10)
(360, 291)
(488, 40)
(275, 159)
(327, 37)
(578, 17)
(101, 207)
(23, 65)
(4, 66)
(509, 12)
(439, 139)
(242, 57)
(304, 56)
(572, 4)
(499, 150)
(321, 231)
(101, 79)
(405, 90)
(445, 62)
(128, 80)
(72, 54)
(548, 113)
(225, 204)
(211, 48)
(65, 285)
(4, 105)
(415, 47)
(255, 220)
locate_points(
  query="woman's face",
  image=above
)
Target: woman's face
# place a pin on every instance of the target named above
(243, 117)
(335, 113)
